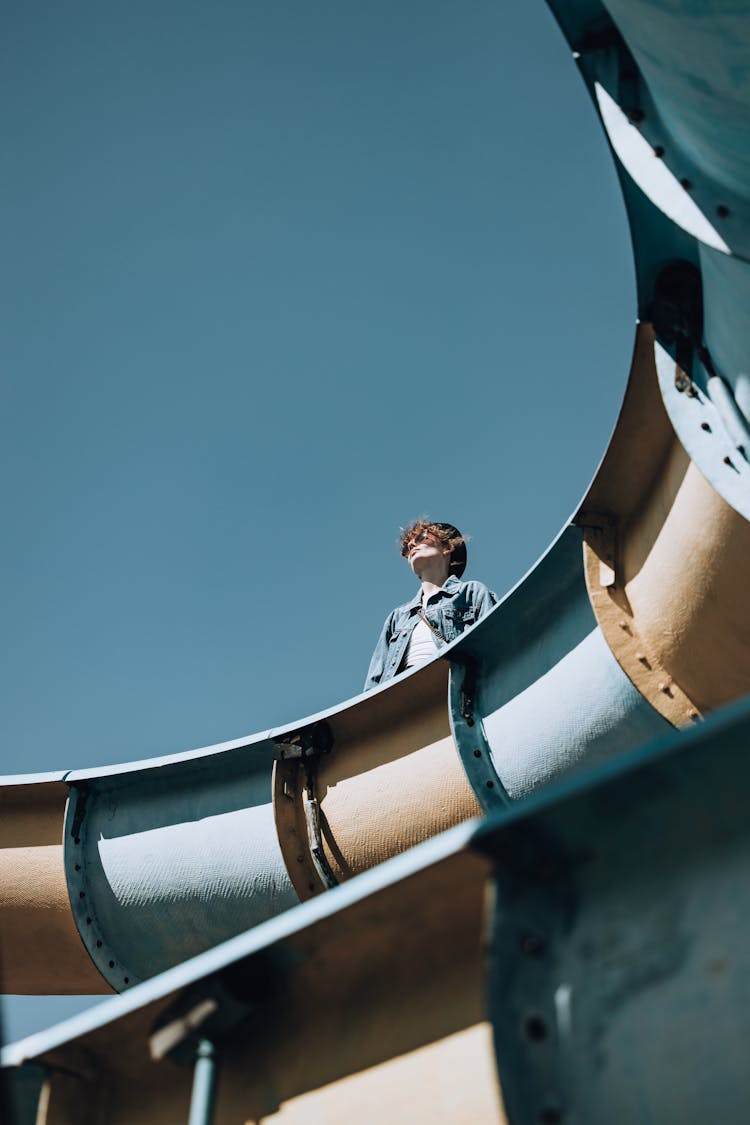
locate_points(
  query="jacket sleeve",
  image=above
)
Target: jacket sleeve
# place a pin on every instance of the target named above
(377, 663)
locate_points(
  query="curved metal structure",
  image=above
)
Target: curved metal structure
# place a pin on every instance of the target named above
(636, 621)
(636, 618)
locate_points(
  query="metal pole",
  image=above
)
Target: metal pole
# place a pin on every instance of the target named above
(204, 1084)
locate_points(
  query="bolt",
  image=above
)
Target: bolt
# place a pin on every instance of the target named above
(81, 894)
(477, 753)
(695, 717)
(76, 839)
(659, 151)
(98, 945)
(88, 921)
(127, 980)
(490, 784)
(535, 1028)
(111, 964)
(636, 116)
(686, 183)
(722, 211)
(300, 859)
(78, 867)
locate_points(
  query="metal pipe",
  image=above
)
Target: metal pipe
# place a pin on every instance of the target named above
(204, 1084)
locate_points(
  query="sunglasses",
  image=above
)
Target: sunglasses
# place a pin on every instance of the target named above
(413, 543)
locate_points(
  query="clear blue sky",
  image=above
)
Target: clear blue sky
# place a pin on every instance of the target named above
(278, 278)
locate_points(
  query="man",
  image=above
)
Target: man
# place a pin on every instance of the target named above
(440, 611)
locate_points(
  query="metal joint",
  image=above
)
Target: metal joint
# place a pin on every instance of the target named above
(307, 746)
(308, 743)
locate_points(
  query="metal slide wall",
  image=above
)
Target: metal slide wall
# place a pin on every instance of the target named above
(635, 622)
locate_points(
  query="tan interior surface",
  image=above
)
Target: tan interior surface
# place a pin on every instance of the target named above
(666, 561)
(41, 951)
(449, 1082)
(395, 981)
(393, 779)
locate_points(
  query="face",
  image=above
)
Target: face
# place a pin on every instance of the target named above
(424, 549)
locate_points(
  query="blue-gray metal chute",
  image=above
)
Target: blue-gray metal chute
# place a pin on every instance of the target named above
(167, 861)
(550, 699)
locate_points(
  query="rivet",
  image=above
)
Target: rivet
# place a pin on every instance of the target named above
(642, 659)
(659, 151)
(722, 211)
(300, 859)
(550, 1115)
(636, 115)
(81, 894)
(665, 688)
(686, 183)
(88, 921)
(76, 839)
(78, 867)
(127, 980)
(98, 945)
(111, 964)
(728, 461)
(311, 886)
(490, 784)
(477, 753)
(695, 717)
(705, 426)
(535, 1028)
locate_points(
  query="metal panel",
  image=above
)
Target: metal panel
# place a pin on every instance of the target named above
(620, 969)
(581, 712)
(370, 973)
(164, 864)
(703, 432)
(550, 696)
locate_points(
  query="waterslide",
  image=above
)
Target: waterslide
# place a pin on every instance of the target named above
(634, 625)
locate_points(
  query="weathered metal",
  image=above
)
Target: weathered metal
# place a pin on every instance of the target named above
(620, 969)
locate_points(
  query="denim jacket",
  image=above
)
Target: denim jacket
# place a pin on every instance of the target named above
(451, 609)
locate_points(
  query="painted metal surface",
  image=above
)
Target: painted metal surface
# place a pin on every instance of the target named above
(620, 970)
(619, 908)
(389, 944)
(163, 865)
(703, 432)
(550, 698)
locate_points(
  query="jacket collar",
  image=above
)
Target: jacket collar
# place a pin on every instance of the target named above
(449, 587)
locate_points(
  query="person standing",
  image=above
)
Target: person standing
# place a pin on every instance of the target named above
(442, 609)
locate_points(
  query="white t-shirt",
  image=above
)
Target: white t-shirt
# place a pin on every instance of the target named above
(422, 645)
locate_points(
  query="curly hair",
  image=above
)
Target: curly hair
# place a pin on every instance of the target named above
(437, 531)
